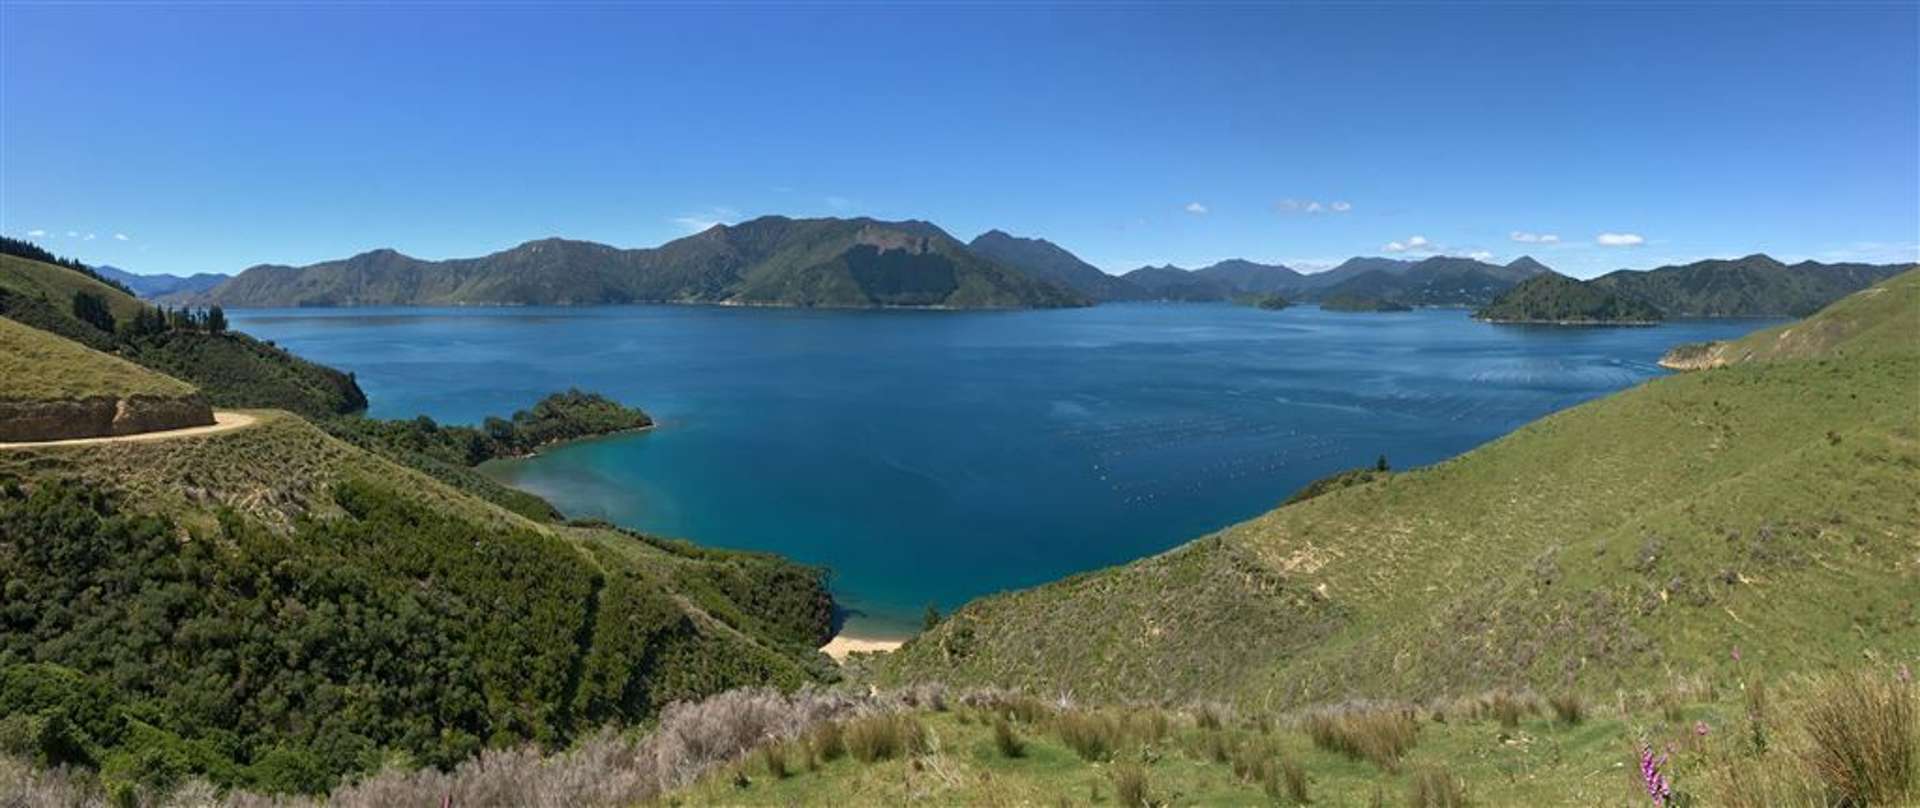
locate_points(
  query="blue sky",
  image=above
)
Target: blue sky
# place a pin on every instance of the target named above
(186, 138)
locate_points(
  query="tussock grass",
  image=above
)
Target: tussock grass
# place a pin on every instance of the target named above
(1130, 785)
(885, 736)
(1863, 737)
(1006, 740)
(1433, 787)
(1569, 707)
(1378, 734)
(1092, 736)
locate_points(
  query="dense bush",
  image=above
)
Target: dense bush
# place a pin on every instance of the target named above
(283, 662)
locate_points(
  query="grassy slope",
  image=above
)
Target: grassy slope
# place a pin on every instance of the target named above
(58, 285)
(36, 365)
(1883, 318)
(1769, 506)
(233, 370)
(1540, 761)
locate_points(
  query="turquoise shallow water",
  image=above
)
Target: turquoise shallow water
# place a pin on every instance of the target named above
(938, 456)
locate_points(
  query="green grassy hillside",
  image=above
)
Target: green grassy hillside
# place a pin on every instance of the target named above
(36, 365)
(273, 608)
(233, 369)
(1773, 507)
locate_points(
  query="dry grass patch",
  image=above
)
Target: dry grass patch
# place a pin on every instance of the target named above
(1863, 737)
(884, 737)
(1432, 787)
(1378, 734)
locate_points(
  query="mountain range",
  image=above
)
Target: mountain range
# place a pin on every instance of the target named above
(868, 263)
(158, 286)
(772, 260)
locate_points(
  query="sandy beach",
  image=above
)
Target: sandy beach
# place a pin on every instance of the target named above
(839, 647)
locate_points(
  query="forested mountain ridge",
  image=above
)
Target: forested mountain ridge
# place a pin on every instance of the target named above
(771, 260)
(1559, 299)
(1754, 286)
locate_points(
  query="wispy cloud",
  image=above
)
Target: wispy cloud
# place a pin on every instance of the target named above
(121, 237)
(1525, 237)
(1619, 239)
(1411, 244)
(839, 202)
(696, 222)
(1480, 255)
(1312, 206)
(36, 233)
(1196, 209)
(89, 237)
(73, 234)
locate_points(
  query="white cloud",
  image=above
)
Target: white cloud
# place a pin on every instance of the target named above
(121, 237)
(1311, 206)
(36, 233)
(89, 237)
(1196, 209)
(1412, 244)
(696, 222)
(73, 234)
(1480, 255)
(1619, 240)
(1534, 238)
(839, 202)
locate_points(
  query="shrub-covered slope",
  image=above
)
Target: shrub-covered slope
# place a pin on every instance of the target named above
(1770, 506)
(272, 607)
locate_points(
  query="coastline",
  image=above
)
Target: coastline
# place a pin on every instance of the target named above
(844, 644)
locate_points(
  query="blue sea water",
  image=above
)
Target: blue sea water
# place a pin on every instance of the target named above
(933, 456)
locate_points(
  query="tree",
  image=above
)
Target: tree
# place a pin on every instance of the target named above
(92, 309)
(1381, 464)
(931, 619)
(216, 320)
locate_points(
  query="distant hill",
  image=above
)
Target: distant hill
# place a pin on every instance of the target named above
(1558, 299)
(1173, 283)
(1754, 286)
(153, 287)
(1043, 260)
(1719, 523)
(1436, 281)
(1250, 277)
(1360, 303)
(772, 260)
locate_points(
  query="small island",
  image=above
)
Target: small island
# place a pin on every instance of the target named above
(1270, 302)
(1560, 300)
(1358, 303)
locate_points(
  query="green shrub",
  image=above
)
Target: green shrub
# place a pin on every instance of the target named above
(774, 757)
